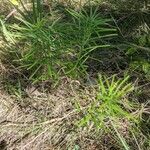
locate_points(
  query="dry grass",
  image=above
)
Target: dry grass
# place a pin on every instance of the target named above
(48, 120)
(42, 121)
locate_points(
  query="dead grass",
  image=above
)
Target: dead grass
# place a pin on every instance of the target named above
(48, 120)
(5, 7)
(42, 121)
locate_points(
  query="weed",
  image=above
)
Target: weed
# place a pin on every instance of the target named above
(83, 33)
(110, 107)
(56, 48)
(110, 102)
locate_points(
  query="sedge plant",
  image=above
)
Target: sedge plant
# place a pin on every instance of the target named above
(84, 32)
(110, 107)
(56, 47)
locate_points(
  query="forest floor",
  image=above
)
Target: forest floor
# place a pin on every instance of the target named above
(63, 115)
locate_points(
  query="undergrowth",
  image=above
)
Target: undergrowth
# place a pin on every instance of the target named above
(53, 47)
(97, 53)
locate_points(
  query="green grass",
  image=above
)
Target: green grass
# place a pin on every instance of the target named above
(111, 105)
(57, 47)
(111, 102)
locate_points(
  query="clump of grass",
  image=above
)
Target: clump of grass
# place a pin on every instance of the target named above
(110, 102)
(110, 107)
(86, 31)
(59, 46)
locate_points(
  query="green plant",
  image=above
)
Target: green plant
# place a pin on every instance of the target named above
(110, 106)
(42, 51)
(32, 14)
(56, 47)
(110, 102)
(84, 32)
